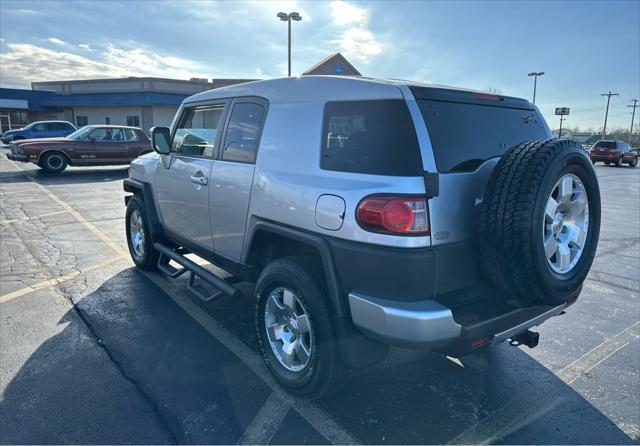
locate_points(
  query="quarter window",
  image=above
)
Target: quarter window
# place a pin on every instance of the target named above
(81, 121)
(133, 121)
(243, 133)
(131, 135)
(373, 137)
(107, 135)
(197, 131)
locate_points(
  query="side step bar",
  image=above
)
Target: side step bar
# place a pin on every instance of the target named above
(195, 271)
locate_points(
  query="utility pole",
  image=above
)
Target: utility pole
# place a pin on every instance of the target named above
(633, 114)
(535, 75)
(606, 114)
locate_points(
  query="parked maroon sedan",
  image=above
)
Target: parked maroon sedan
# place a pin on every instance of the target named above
(92, 145)
(616, 152)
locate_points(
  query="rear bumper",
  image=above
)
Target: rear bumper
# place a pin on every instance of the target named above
(431, 325)
(603, 157)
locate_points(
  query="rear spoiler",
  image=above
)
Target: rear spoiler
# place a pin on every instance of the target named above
(470, 97)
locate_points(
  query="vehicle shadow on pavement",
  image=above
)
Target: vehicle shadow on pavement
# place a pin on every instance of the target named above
(69, 176)
(130, 366)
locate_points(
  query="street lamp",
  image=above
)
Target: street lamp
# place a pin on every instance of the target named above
(535, 75)
(288, 18)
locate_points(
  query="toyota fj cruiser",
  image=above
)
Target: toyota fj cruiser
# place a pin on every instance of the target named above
(369, 213)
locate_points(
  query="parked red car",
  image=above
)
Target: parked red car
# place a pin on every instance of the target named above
(92, 145)
(616, 152)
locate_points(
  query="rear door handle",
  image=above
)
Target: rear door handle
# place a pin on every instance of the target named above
(198, 179)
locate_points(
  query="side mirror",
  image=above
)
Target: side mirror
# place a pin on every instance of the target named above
(160, 137)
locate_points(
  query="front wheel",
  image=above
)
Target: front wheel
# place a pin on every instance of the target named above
(54, 162)
(294, 328)
(633, 163)
(139, 236)
(619, 162)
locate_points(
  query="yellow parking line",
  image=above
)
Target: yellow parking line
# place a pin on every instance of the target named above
(35, 217)
(93, 228)
(57, 280)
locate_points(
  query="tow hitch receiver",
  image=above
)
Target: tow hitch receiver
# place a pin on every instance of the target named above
(528, 338)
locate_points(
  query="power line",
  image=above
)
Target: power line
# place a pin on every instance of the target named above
(633, 113)
(606, 114)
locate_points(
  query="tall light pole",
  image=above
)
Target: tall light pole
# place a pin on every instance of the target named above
(288, 18)
(535, 75)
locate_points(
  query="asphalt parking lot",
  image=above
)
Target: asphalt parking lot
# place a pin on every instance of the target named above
(94, 351)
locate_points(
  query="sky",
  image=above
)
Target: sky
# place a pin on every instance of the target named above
(586, 48)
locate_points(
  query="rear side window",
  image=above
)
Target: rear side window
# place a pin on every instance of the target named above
(373, 137)
(466, 130)
(606, 145)
(197, 131)
(131, 135)
(243, 132)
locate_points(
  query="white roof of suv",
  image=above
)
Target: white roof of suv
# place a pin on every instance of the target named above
(314, 88)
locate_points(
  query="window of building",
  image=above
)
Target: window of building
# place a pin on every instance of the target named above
(81, 121)
(107, 120)
(374, 137)
(197, 131)
(133, 121)
(243, 133)
(131, 135)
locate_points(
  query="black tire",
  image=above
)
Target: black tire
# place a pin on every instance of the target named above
(619, 162)
(512, 214)
(149, 260)
(53, 162)
(593, 162)
(608, 163)
(325, 373)
(633, 163)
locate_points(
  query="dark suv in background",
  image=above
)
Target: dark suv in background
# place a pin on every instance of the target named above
(617, 152)
(39, 129)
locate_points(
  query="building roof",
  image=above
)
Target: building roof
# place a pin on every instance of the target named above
(133, 98)
(333, 64)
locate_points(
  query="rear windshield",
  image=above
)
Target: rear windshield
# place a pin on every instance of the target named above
(468, 128)
(606, 144)
(374, 137)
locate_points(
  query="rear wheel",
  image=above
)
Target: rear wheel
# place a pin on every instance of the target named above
(540, 222)
(294, 328)
(54, 162)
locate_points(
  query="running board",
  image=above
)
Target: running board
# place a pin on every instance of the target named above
(223, 287)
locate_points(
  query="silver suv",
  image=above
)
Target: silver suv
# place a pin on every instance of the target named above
(369, 213)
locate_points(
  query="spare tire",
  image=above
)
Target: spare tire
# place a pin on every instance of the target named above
(540, 222)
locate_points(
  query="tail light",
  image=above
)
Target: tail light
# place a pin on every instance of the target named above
(403, 215)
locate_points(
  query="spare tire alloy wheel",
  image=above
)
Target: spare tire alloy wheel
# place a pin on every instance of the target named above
(288, 329)
(566, 222)
(540, 222)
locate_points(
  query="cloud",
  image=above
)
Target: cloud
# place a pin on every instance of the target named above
(357, 41)
(56, 41)
(344, 14)
(23, 63)
(85, 46)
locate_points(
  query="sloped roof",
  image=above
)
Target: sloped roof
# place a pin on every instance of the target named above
(333, 60)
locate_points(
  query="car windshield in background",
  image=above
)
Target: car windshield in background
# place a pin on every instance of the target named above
(80, 134)
(468, 128)
(605, 145)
